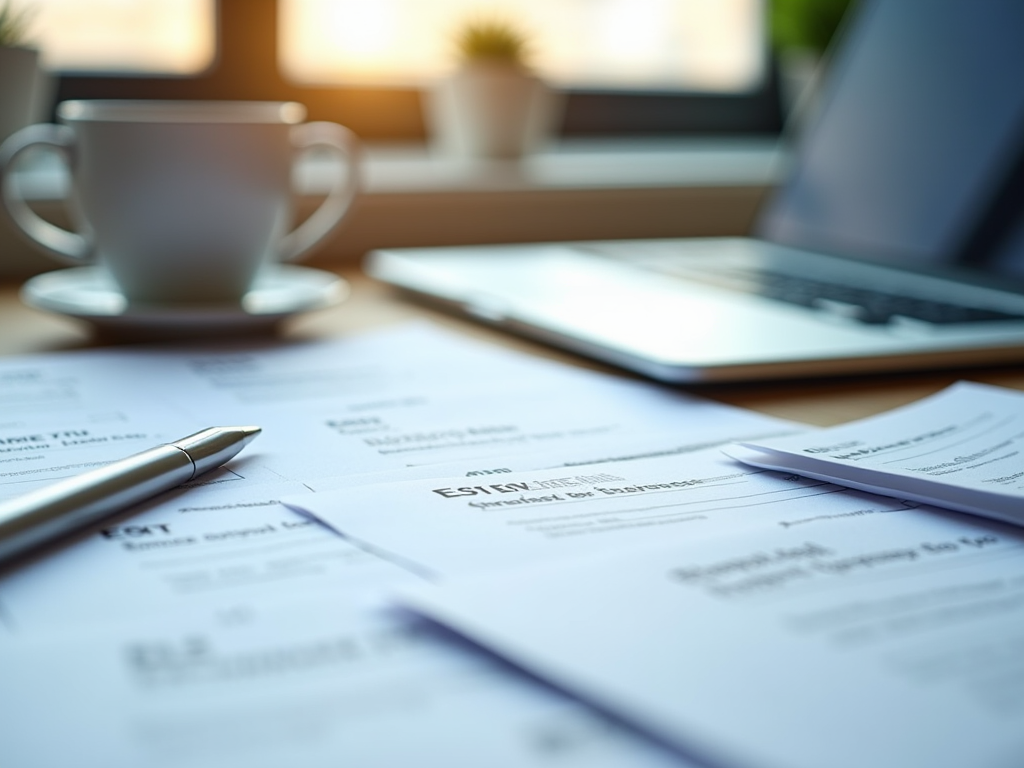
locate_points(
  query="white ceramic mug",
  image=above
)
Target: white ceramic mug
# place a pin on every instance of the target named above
(181, 201)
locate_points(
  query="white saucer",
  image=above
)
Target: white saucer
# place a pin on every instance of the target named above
(89, 294)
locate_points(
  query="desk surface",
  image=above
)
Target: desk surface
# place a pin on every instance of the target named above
(822, 402)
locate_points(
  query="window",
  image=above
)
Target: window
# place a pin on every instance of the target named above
(721, 83)
(145, 36)
(693, 45)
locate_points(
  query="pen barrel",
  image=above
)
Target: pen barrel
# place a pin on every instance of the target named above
(78, 502)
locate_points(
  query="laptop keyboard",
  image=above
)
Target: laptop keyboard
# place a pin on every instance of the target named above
(866, 305)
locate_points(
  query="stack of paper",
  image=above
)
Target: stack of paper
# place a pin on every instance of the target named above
(746, 617)
(215, 627)
(673, 606)
(961, 449)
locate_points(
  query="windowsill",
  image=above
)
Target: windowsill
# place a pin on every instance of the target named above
(578, 189)
(579, 164)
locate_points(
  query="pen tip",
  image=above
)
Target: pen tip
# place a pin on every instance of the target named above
(248, 433)
(240, 436)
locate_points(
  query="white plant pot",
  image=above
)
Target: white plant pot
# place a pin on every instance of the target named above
(22, 89)
(491, 110)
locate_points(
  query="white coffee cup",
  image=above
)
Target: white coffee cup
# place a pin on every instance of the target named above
(181, 201)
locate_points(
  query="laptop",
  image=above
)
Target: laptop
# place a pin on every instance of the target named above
(896, 242)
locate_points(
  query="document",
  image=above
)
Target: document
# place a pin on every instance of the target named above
(894, 644)
(961, 449)
(306, 686)
(461, 524)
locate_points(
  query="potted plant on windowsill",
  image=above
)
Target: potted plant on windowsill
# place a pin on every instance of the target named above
(493, 105)
(21, 79)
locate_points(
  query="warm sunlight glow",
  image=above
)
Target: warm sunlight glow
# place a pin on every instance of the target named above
(158, 36)
(365, 29)
(706, 45)
(628, 29)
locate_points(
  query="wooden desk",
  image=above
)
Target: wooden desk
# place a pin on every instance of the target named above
(822, 402)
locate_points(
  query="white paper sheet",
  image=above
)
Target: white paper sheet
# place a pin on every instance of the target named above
(893, 645)
(962, 449)
(307, 686)
(454, 525)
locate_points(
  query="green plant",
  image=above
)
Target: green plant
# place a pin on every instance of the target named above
(492, 40)
(808, 24)
(14, 24)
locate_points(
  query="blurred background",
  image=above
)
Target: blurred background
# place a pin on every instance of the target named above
(649, 66)
(638, 79)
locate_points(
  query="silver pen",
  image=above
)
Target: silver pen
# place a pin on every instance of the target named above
(70, 505)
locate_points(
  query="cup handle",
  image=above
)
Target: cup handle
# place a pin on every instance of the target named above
(63, 245)
(325, 219)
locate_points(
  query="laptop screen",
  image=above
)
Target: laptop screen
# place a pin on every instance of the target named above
(917, 131)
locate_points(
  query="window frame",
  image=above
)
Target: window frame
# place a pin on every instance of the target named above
(246, 67)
